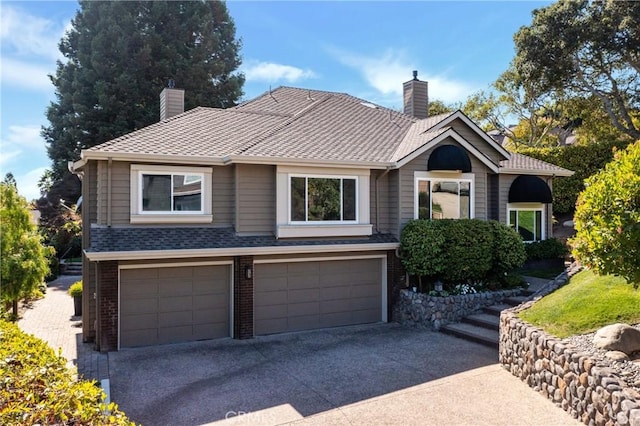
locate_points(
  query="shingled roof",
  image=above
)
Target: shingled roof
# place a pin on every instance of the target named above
(287, 125)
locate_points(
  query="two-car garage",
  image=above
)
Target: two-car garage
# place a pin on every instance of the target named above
(182, 302)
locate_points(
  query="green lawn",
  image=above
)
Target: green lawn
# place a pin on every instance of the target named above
(587, 303)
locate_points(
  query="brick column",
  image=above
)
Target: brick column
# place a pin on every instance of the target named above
(107, 333)
(395, 281)
(243, 297)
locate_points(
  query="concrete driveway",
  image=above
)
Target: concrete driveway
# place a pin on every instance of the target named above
(373, 374)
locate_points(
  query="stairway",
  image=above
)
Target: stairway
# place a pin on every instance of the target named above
(483, 327)
(71, 268)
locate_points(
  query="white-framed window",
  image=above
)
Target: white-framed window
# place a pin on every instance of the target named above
(170, 194)
(323, 199)
(444, 195)
(322, 202)
(528, 219)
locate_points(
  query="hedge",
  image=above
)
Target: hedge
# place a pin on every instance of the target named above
(37, 388)
(584, 160)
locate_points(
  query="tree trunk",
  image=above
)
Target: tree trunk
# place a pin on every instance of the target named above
(14, 308)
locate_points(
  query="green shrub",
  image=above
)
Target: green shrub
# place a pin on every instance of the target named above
(551, 248)
(54, 269)
(467, 250)
(76, 289)
(607, 218)
(38, 388)
(460, 252)
(508, 249)
(584, 160)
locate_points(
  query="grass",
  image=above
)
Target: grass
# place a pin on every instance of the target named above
(587, 303)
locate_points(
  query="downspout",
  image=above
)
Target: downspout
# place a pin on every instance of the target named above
(109, 163)
(548, 213)
(387, 170)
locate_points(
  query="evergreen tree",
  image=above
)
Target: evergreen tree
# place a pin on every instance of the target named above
(24, 259)
(120, 54)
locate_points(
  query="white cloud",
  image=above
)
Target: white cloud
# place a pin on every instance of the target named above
(386, 72)
(272, 72)
(26, 34)
(21, 140)
(26, 75)
(28, 183)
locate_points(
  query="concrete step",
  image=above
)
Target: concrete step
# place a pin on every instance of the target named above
(492, 322)
(473, 333)
(515, 300)
(496, 309)
(71, 269)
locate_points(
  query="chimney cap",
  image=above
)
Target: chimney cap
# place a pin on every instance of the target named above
(171, 84)
(415, 75)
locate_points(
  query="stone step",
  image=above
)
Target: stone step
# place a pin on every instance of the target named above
(496, 309)
(489, 321)
(473, 333)
(515, 300)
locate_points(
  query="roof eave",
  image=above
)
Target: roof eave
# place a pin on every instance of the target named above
(537, 172)
(151, 158)
(248, 159)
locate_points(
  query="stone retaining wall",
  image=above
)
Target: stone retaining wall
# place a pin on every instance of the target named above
(586, 388)
(421, 310)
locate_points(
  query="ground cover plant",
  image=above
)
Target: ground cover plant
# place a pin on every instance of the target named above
(37, 388)
(587, 303)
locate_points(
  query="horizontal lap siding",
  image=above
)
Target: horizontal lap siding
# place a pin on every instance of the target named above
(223, 197)
(380, 209)
(420, 164)
(394, 202)
(505, 185)
(255, 198)
(478, 142)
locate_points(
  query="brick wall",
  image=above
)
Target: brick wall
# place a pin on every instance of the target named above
(243, 298)
(107, 333)
(395, 282)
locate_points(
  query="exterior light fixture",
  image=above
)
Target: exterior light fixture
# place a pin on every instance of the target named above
(248, 272)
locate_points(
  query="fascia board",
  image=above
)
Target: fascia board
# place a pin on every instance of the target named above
(238, 251)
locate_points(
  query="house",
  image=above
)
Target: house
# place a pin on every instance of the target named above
(282, 213)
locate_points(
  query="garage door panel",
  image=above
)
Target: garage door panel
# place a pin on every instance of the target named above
(342, 305)
(307, 295)
(297, 309)
(140, 306)
(335, 293)
(318, 294)
(171, 287)
(174, 304)
(271, 325)
(271, 297)
(139, 322)
(139, 287)
(271, 311)
(180, 318)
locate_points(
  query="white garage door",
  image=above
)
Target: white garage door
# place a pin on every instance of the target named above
(173, 304)
(306, 295)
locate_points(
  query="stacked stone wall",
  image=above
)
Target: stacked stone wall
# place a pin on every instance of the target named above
(421, 310)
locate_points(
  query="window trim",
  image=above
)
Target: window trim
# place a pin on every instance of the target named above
(320, 222)
(529, 207)
(285, 228)
(138, 215)
(444, 177)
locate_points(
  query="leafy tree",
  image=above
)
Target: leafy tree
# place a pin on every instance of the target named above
(587, 49)
(120, 54)
(437, 107)
(607, 218)
(24, 259)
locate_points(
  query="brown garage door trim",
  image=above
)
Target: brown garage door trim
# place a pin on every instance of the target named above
(229, 263)
(383, 272)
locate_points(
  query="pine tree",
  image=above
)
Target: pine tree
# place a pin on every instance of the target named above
(120, 54)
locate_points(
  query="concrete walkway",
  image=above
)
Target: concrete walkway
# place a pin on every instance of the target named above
(52, 320)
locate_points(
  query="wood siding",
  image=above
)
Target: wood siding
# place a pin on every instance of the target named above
(505, 185)
(89, 216)
(255, 198)
(407, 179)
(223, 196)
(474, 139)
(380, 209)
(394, 202)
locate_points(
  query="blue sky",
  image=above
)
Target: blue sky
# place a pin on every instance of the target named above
(366, 49)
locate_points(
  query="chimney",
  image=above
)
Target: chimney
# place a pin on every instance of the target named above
(416, 97)
(171, 101)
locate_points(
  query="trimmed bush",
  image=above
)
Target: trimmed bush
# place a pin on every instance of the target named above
(76, 289)
(38, 388)
(607, 218)
(551, 248)
(464, 251)
(584, 160)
